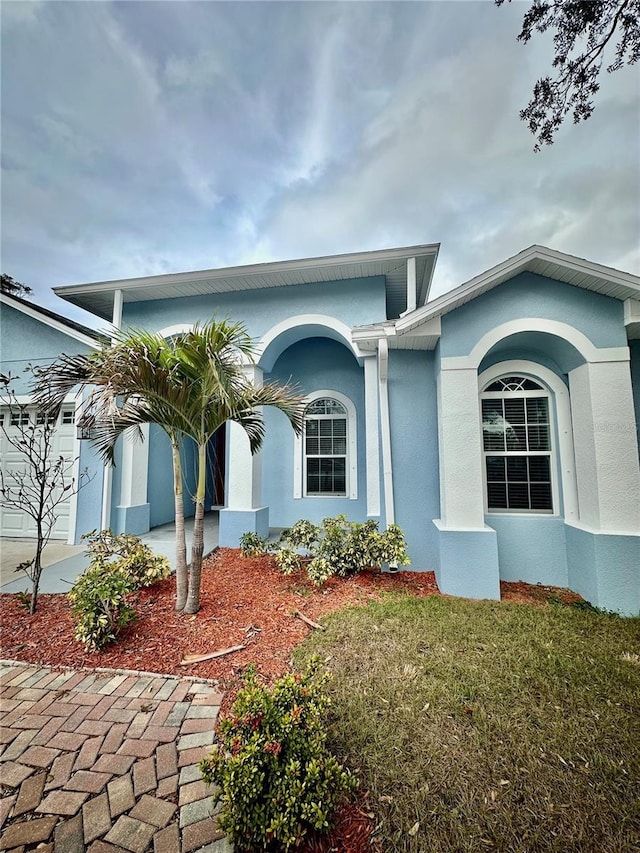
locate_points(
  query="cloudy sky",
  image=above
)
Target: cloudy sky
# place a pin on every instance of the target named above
(150, 137)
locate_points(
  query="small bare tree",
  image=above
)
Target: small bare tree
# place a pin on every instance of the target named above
(41, 482)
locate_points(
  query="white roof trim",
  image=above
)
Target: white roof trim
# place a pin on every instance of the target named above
(500, 273)
(58, 325)
(270, 268)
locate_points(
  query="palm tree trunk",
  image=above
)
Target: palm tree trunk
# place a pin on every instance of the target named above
(182, 580)
(197, 546)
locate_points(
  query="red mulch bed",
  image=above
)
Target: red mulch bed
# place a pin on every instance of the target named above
(244, 601)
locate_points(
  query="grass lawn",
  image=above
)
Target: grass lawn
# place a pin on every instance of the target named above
(480, 726)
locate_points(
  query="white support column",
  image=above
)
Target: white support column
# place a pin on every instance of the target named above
(411, 284)
(461, 481)
(107, 480)
(244, 511)
(372, 438)
(244, 491)
(606, 449)
(135, 467)
(385, 429)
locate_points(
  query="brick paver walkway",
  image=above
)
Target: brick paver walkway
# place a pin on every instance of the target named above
(105, 762)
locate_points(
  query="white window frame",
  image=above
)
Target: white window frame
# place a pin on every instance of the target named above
(487, 380)
(565, 467)
(351, 467)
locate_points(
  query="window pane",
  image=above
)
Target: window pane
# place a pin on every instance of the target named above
(326, 476)
(541, 496)
(311, 427)
(518, 495)
(325, 406)
(537, 410)
(312, 445)
(339, 426)
(496, 468)
(493, 425)
(340, 446)
(325, 427)
(516, 438)
(539, 468)
(516, 468)
(514, 383)
(326, 446)
(539, 438)
(497, 495)
(514, 411)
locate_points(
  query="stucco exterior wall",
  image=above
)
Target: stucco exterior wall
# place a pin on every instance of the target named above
(355, 302)
(414, 449)
(599, 317)
(634, 347)
(313, 364)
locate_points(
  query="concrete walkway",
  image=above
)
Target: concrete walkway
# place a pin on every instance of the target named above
(60, 574)
(105, 762)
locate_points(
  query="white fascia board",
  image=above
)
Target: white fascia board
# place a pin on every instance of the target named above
(506, 270)
(631, 311)
(373, 333)
(275, 268)
(425, 285)
(50, 321)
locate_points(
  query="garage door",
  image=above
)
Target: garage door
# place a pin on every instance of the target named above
(12, 521)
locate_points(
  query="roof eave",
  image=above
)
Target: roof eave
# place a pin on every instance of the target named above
(270, 268)
(510, 268)
(59, 325)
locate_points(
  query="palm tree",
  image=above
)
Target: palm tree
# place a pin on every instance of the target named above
(189, 385)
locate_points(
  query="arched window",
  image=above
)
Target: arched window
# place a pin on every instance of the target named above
(325, 447)
(517, 444)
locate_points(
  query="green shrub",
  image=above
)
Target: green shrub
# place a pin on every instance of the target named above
(131, 555)
(302, 534)
(340, 547)
(119, 565)
(288, 561)
(252, 545)
(276, 780)
(98, 603)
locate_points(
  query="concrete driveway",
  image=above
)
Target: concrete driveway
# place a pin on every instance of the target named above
(16, 551)
(65, 562)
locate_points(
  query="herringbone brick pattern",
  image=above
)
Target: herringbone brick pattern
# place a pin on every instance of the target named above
(105, 762)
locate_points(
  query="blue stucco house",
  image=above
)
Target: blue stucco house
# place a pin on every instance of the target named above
(495, 424)
(32, 335)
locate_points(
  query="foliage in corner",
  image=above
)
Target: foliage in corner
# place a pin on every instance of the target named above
(131, 555)
(338, 547)
(120, 564)
(254, 545)
(277, 781)
(584, 35)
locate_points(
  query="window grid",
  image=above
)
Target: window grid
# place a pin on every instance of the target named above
(517, 447)
(325, 448)
(19, 418)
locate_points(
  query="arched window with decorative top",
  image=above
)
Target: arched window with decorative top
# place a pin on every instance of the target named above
(326, 465)
(518, 450)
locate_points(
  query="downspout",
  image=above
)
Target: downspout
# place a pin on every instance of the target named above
(385, 430)
(107, 481)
